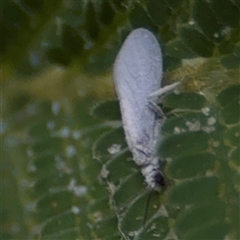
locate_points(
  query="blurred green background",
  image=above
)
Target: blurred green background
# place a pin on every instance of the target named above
(66, 172)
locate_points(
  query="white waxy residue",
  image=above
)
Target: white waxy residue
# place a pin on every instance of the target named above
(55, 107)
(115, 148)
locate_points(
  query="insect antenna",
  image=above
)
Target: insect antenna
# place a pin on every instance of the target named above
(147, 206)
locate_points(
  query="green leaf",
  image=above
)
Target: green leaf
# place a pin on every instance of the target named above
(171, 63)
(120, 6)
(232, 135)
(186, 100)
(41, 186)
(237, 50)
(50, 144)
(107, 14)
(226, 12)
(196, 41)
(53, 203)
(215, 231)
(129, 187)
(228, 94)
(184, 144)
(120, 166)
(191, 166)
(72, 42)
(207, 21)
(197, 216)
(45, 165)
(65, 220)
(107, 110)
(91, 24)
(106, 228)
(235, 156)
(190, 122)
(229, 114)
(133, 219)
(114, 138)
(230, 61)
(198, 190)
(159, 12)
(58, 56)
(139, 18)
(37, 5)
(62, 234)
(179, 50)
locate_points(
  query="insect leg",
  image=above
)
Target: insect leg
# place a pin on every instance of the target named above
(155, 108)
(164, 90)
(159, 93)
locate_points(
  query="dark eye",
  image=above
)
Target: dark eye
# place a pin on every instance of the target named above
(160, 179)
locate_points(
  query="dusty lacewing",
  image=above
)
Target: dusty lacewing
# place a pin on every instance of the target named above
(137, 77)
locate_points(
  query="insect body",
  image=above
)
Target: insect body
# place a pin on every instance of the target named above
(137, 75)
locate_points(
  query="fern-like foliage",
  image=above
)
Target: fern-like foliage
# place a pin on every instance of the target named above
(68, 175)
(202, 174)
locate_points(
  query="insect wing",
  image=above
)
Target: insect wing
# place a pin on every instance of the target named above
(137, 74)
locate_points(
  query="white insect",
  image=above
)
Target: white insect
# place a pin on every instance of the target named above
(137, 76)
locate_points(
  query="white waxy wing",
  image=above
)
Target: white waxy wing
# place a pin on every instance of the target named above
(137, 74)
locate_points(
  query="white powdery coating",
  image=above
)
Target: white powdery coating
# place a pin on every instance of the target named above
(115, 148)
(51, 125)
(55, 107)
(137, 74)
(78, 190)
(177, 130)
(193, 126)
(3, 126)
(206, 111)
(208, 129)
(215, 144)
(76, 134)
(62, 166)
(75, 209)
(64, 132)
(211, 121)
(70, 151)
(104, 172)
